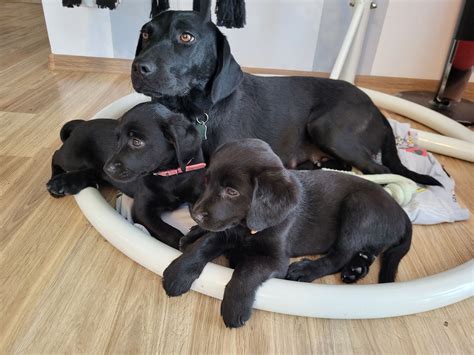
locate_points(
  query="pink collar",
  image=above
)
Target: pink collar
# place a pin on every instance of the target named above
(178, 171)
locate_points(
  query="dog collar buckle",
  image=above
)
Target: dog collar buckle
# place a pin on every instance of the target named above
(201, 126)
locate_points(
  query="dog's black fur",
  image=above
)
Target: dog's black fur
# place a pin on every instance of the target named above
(294, 213)
(167, 141)
(300, 117)
(78, 163)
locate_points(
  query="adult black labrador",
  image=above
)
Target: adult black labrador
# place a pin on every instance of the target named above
(184, 62)
(263, 214)
(151, 154)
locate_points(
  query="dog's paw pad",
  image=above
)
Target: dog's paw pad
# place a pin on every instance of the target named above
(353, 274)
(348, 278)
(357, 268)
(366, 256)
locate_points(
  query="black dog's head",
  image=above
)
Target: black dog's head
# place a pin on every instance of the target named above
(181, 51)
(246, 183)
(150, 137)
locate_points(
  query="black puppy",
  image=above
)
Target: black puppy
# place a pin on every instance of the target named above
(265, 214)
(147, 162)
(78, 163)
(184, 62)
(164, 150)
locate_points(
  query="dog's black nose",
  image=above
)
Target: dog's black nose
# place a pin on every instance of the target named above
(199, 217)
(113, 168)
(143, 68)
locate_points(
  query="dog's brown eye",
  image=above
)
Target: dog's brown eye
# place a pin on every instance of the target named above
(231, 192)
(145, 35)
(186, 37)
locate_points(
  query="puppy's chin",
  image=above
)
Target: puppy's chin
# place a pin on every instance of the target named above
(123, 177)
(217, 227)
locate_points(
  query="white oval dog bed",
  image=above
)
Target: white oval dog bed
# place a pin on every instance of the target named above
(289, 297)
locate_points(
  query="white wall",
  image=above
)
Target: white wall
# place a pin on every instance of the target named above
(79, 31)
(413, 35)
(94, 32)
(282, 36)
(279, 33)
(415, 38)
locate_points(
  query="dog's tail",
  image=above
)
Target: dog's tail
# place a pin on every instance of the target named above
(393, 255)
(392, 161)
(68, 128)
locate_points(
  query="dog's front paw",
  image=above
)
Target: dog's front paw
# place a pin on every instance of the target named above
(178, 279)
(184, 243)
(63, 185)
(236, 311)
(301, 271)
(187, 240)
(194, 234)
(56, 187)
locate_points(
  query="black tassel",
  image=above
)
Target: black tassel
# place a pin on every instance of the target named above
(107, 4)
(158, 6)
(71, 3)
(230, 13)
(225, 13)
(239, 13)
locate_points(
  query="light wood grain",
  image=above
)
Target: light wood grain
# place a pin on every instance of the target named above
(65, 289)
(21, 1)
(89, 64)
(61, 62)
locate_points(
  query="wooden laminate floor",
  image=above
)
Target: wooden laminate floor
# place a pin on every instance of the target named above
(63, 288)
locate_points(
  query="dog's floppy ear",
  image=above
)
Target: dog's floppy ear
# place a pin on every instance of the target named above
(183, 136)
(158, 6)
(275, 195)
(228, 75)
(204, 8)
